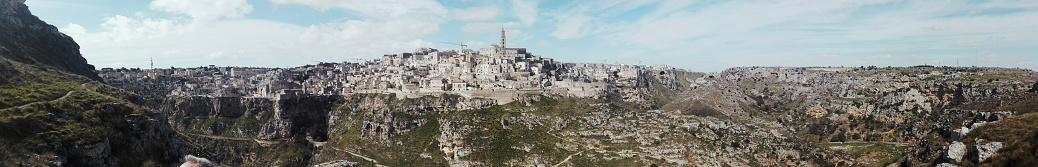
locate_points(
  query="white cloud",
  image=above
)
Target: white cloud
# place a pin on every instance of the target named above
(73, 29)
(487, 27)
(485, 13)
(250, 42)
(735, 30)
(525, 10)
(573, 24)
(177, 41)
(381, 9)
(204, 10)
(121, 28)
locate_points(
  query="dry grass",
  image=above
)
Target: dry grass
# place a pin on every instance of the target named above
(1019, 135)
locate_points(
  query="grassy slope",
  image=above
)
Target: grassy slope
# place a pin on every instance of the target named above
(1019, 136)
(34, 115)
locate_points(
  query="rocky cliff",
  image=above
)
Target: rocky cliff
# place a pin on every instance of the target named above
(27, 39)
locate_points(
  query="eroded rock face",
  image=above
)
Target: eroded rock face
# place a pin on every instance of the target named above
(27, 39)
(985, 149)
(152, 133)
(275, 130)
(96, 154)
(264, 118)
(216, 107)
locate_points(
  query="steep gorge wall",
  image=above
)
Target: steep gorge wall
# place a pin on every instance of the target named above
(262, 118)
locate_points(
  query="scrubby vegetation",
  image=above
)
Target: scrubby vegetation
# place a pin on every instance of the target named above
(43, 110)
(1019, 135)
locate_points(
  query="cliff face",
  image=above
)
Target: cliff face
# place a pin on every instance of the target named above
(27, 39)
(261, 118)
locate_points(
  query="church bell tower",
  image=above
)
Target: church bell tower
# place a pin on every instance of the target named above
(502, 37)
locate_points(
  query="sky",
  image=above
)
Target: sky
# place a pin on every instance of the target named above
(706, 36)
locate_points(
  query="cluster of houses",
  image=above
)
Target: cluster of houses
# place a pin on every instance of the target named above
(494, 72)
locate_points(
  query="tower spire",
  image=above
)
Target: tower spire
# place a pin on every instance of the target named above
(502, 36)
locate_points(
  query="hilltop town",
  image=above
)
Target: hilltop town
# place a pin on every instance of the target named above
(496, 72)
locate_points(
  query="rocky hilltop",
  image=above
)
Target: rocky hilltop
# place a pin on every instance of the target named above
(27, 39)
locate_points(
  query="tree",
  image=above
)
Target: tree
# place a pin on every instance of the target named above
(839, 137)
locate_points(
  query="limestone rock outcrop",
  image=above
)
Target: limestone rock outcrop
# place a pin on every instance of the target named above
(985, 149)
(956, 151)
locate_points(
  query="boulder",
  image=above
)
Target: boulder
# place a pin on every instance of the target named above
(1034, 88)
(955, 151)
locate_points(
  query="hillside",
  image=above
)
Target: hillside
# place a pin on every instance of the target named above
(55, 111)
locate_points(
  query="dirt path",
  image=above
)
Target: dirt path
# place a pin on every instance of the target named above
(215, 137)
(567, 159)
(264, 142)
(315, 143)
(358, 155)
(62, 97)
